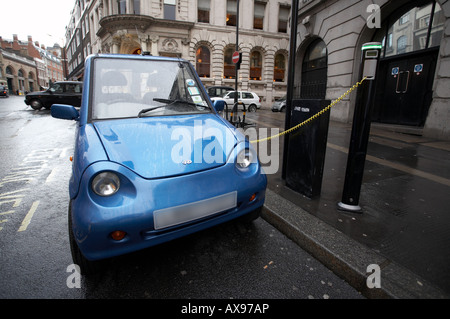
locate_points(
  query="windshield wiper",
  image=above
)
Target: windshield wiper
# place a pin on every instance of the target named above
(168, 102)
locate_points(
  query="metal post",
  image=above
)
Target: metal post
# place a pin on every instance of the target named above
(290, 86)
(237, 50)
(360, 128)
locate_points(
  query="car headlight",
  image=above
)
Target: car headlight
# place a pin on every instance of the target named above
(244, 158)
(106, 184)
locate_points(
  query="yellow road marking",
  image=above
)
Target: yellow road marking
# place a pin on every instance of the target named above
(26, 221)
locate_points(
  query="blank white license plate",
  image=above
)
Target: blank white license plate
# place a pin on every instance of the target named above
(172, 216)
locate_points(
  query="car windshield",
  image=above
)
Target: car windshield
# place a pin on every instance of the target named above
(125, 88)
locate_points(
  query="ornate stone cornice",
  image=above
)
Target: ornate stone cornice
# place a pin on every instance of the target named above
(112, 23)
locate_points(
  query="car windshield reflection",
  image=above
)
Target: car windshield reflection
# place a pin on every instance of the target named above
(135, 88)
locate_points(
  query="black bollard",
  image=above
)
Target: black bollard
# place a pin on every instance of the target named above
(360, 128)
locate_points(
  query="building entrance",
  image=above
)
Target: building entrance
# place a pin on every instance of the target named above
(406, 85)
(411, 38)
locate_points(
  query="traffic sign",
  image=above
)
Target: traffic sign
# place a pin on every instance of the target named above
(235, 57)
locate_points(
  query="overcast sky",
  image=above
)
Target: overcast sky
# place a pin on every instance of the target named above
(44, 20)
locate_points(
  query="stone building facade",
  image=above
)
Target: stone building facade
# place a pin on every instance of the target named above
(26, 66)
(201, 31)
(18, 72)
(413, 81)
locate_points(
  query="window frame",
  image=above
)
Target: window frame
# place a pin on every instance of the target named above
(203, 65)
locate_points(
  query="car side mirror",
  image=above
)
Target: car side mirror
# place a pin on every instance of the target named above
(219, 105)
(65, 112)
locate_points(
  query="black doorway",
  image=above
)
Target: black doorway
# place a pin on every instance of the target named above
(405, 88)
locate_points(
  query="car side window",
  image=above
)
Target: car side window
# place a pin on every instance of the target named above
(247, 95)
(70, 88)
(57, 88)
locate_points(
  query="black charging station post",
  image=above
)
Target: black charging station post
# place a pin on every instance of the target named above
(360, 128)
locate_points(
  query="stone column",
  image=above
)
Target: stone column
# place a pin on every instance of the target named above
(117, 40)
(154, 42)
(143, 40)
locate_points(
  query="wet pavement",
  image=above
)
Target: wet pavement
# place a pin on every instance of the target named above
(404, 226)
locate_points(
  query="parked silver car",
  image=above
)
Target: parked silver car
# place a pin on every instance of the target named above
(279, 105)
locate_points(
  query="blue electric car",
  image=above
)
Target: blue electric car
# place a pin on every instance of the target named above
(153, 161)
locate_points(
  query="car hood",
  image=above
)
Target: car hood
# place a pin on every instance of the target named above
(35, 93)
(158, 147)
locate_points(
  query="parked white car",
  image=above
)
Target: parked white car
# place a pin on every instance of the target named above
(251, 100)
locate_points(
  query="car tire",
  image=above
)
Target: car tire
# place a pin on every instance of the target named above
(87, 267)
(252, 108)
(36, 104)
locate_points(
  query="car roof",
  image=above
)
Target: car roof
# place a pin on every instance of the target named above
(69, 82)
(220, 86)
(243, 92)
(136, 57)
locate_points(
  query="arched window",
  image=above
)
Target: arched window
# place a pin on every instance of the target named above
(9, 70)
(229, 71)
(21, 80)
(203, 61)
(419, 28)
(279, 68)
(314, 71)
(255, 66)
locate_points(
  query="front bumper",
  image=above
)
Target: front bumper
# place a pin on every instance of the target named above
(132, 209)
(277, 106)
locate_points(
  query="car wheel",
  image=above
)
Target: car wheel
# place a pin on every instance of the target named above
(283, 109)
(252, 108)
(36, 104)
(87, 267)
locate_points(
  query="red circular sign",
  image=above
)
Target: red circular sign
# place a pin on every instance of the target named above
(235, 57)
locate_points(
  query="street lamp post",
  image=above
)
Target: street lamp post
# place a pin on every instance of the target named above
(291, 75)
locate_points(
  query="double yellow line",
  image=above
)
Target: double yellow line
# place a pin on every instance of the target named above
(314, 116)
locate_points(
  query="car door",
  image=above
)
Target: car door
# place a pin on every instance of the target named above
(229, 98)
(247, 98)
(54, 95)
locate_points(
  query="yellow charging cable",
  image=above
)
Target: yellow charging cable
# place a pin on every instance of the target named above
(314, 116)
